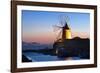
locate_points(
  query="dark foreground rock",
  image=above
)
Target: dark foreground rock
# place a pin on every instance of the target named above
(73, 48)
(25, 59)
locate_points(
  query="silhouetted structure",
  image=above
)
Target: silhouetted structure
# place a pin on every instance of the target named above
(73, 47)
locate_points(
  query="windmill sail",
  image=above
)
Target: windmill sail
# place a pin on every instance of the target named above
(65, 29)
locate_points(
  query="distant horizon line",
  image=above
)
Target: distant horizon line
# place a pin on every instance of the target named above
(52, 42)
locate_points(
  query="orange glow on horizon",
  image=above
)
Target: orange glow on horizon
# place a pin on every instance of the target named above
(44, 38)
(50, 37)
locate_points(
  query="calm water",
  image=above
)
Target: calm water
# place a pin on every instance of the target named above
(36, 57)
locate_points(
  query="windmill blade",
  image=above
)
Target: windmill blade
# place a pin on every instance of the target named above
(59, 35)
(61, 20)
(67, 19)
(56, 28)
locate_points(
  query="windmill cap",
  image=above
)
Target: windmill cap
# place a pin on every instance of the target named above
(66, 26)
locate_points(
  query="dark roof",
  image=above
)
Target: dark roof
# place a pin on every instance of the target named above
(66, 26)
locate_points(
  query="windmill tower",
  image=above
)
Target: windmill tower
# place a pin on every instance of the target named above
(66, 32)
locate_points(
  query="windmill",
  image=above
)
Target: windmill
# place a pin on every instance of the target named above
(63, 28)
(66, 46)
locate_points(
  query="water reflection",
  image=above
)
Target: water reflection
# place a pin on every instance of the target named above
(37, 57)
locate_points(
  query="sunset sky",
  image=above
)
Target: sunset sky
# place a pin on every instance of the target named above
(37, 26)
